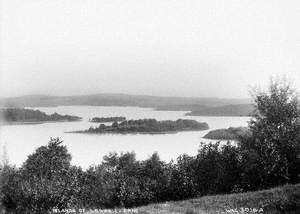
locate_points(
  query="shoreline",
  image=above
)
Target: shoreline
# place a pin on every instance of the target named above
(5, 123)
(187, 112)
(133, 133)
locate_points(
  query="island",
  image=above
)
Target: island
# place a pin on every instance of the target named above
(107, 119)
(147, 126)
(30, 116)
(232, 133)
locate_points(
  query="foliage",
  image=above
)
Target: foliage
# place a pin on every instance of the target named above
(275, 142)
(45, 181)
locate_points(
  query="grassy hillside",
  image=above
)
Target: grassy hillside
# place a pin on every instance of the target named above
(285, 199)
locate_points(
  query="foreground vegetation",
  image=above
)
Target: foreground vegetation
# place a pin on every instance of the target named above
(13, 115)
(107, 119)
(48, 181)
(231, 133)
(268, 157)
(151, 126)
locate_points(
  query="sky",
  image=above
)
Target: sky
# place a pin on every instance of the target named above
(212, 48)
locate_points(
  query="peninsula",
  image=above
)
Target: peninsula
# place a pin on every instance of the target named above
(232, 133)
(30, 116)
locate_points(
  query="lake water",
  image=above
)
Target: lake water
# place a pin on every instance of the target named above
(88, 149)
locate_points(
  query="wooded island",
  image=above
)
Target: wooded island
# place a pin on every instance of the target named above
(151, 126)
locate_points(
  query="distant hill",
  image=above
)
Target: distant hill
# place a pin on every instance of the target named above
(226, 110)
(197, 105)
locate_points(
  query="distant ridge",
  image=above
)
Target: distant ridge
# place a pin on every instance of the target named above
(193, 104)
(239, 100)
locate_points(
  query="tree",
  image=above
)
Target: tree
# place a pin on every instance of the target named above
(209, 169)
(230, 168)
(45, 181)
(3, 168)
(11, 194)
(276, 134)
(156, 176)
(183, 178)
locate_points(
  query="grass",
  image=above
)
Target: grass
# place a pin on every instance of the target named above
(285, 199)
